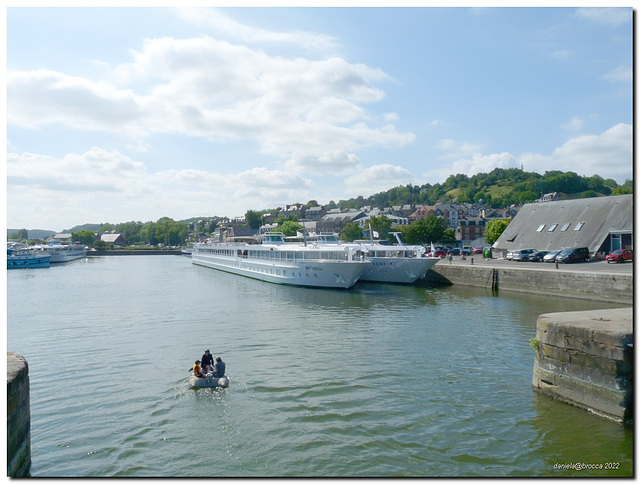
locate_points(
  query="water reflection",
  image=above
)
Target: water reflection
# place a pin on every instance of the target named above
(570, 435)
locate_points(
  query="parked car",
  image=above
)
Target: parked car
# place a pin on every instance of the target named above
(551, 256)
(620, 255)
(477, 250)
(522, 255)
(466, 250)
(455, 251)
(509, 255)
(538, 256)
(437, 253)
(573, 255)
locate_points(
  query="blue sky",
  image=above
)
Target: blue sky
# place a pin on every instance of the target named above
(119, 114)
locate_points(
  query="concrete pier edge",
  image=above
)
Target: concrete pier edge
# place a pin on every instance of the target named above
(585, 358)
(18, 417)
(599, 286)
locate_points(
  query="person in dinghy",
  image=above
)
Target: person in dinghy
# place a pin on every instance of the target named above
(197, 371)
(214, 377)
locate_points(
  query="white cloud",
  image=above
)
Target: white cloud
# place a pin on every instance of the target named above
(331, 162)
(215, 20)
(378, 178)
(100, 186)
(575, 124)
(42, 97)
(606, 15)
(211, 89)
(92, 172)
(609, 155)
(620, 74)
(562, 54)
(455, 149)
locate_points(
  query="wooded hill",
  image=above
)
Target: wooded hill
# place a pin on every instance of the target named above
(497, 189)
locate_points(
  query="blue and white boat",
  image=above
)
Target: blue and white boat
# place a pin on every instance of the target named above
(26, 259)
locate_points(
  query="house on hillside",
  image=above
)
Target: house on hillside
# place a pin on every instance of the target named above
(449, 212)
(292, 212)
(115, 239)
(335, 222)
(421, 212)
(470, 228)
(224, 233)
(60, 238)
(602, 224)
(314, 213)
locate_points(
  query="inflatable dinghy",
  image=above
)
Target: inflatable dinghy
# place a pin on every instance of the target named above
(209, 382)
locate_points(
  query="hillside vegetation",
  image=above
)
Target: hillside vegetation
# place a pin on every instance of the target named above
(497, 189)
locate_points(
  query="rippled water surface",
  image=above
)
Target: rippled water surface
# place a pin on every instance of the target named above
(379, 380)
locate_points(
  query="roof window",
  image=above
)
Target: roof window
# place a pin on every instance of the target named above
(579, 226)
(552, 228)
(565, 227)
(541, 228)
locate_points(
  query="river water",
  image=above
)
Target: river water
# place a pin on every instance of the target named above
(376, 381)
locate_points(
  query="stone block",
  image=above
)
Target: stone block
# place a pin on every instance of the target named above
(583, 359)
(555, 353)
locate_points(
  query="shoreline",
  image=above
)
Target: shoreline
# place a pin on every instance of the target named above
(582, 281)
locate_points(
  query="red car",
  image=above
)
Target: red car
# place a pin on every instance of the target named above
(437, 253)
(620, 255)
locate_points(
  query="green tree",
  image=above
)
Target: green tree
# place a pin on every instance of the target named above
(449, 236)
(253, 219)
(425, 230)
(625, 188)
(84, 237)
(22, 234)
(382, 225)
(351, 232)
(494, 229)
(289, 227)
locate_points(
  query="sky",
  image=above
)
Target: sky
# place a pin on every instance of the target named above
(118, 114)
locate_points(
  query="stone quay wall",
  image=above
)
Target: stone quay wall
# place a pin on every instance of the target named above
(585, 358)
(18, 417)
(599, 286)
(102, 253)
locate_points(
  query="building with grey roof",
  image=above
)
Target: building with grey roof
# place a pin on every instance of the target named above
(335, 222)
(602, 224)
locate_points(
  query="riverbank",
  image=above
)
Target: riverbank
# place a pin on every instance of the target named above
(594, 280)
(100, 253)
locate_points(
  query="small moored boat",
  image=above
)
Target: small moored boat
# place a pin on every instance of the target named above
(209, 381)
(26, 259)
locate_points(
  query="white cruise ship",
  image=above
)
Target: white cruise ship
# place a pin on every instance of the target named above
(274, 261)
(62, 252)
(396, 264)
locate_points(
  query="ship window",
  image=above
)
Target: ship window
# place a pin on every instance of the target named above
(541, 228)
(579, 226)
(552, 228)
(565, 227)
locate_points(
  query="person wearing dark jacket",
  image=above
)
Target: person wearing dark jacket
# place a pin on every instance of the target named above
(220, 368)
(207, 361)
